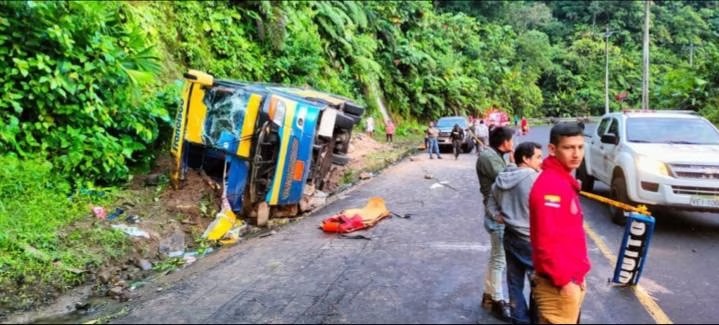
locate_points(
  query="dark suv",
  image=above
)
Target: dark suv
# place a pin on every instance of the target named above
(445, 125)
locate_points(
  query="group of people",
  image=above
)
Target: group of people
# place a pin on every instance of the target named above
(388, 128)
(535, 225)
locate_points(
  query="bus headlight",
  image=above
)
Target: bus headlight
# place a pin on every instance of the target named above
(277, 111)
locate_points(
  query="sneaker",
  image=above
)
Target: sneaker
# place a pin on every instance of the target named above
(439, 157)
(501, 310)
(430, 157)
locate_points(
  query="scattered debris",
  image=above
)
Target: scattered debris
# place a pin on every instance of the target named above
(131, 231)
(143, 264)
(405, 216)
(99, 212)
(365, 175)
(132, 219)
(310, 202)
(188, 259)
(267, 234)
(428, 176)
(233, 236)
(115, 214)
(442, 184)
(173, 246)
(355, 236)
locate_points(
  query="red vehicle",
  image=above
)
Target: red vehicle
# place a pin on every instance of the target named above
(496, 117)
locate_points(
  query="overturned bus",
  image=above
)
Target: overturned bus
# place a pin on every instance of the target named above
(265, 142)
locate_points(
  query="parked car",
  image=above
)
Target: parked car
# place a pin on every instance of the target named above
(445, 125)
(656, 158)
(264, 142)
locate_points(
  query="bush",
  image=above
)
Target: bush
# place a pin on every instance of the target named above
(73, 78)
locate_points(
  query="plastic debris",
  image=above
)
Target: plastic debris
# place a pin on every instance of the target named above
(131, 231)
(115, 214)
(132, 219)
(436, 185)
(99, 212)
(187, 260)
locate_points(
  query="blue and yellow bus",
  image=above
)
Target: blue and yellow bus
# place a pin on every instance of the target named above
(265, 142)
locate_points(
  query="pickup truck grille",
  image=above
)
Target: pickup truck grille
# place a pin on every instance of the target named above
(695, 171)
(693, 190)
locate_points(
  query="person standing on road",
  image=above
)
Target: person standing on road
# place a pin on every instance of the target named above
(508, 204)
(457, 137)
(559, 248)
(482, 136)
(389, 130)
(432, 145)
(489, 164)
(525, 126)
(369, 126)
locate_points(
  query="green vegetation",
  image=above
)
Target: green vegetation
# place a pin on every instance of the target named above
(89, 88)
(35, 203)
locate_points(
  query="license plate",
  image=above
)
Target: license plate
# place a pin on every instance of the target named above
(705, 201)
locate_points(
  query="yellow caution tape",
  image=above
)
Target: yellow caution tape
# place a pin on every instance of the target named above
(642, 209)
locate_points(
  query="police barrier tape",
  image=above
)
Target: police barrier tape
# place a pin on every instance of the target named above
(635, 242)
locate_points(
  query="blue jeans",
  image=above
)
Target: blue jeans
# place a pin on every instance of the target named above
(519, 266)
(433, 147)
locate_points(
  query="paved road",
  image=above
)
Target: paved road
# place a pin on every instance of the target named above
(427, 269)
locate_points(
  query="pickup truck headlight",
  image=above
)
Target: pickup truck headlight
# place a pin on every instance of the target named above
(653, 166)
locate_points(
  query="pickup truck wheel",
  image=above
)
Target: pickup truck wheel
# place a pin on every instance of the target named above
(586, 179)
(619, 192)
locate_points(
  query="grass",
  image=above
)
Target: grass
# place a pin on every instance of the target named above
(41, 253)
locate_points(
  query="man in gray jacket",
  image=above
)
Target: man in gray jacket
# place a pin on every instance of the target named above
(508, 204)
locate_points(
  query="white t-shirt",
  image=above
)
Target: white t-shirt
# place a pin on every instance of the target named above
(482, 130)
(370, 124)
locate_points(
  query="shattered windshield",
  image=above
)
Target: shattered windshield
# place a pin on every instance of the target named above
(225, 115)
(671, 130)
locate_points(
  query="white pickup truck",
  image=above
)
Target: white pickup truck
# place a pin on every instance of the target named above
(655, 158)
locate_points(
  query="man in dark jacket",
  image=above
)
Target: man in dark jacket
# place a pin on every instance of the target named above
(508, 204)
(559, 247)
(457, 137)
(489, 164)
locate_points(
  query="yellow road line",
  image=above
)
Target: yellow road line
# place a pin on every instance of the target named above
(644, 298)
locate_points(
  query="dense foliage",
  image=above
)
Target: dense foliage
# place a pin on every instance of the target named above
(91, 85)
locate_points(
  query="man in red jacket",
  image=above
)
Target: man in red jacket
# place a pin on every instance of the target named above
(559, 247)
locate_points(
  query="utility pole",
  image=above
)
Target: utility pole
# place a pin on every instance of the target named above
(645, 66)
(606, 70)
(691, 54)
